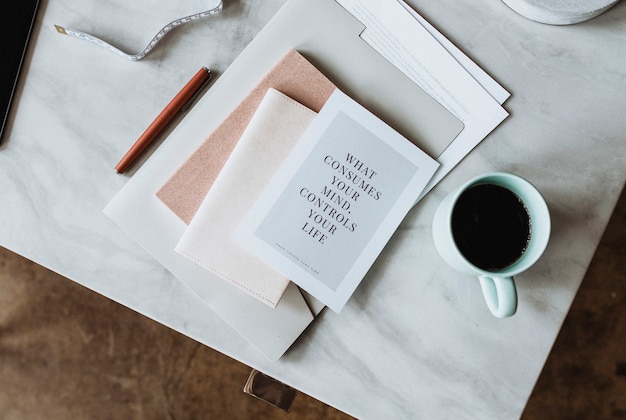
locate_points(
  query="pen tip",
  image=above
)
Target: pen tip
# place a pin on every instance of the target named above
(60, 29)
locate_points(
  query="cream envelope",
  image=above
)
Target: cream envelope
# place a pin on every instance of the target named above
(274, 129)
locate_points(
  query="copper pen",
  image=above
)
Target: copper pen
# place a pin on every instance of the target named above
(187, 94)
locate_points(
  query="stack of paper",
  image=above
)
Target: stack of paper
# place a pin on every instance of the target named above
(426, 90)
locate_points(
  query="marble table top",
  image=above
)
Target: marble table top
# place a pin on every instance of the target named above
(416, 339)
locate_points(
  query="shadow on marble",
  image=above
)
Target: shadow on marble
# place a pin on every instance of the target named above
(585, 374)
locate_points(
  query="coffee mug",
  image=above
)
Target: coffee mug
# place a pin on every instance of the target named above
(495, 226)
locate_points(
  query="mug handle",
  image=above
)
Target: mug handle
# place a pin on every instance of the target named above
(500, 294)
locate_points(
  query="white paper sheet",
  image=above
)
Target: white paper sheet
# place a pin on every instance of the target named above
(396, 34)
(487, 82)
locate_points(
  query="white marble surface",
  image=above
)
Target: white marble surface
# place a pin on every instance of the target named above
(416, 340)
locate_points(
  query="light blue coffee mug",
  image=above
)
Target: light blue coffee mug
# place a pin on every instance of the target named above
(498, 287)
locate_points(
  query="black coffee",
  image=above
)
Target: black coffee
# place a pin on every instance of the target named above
(491, 226)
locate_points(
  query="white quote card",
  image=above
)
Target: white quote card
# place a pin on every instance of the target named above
(333, 205)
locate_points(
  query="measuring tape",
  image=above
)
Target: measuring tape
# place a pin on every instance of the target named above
(151, 44)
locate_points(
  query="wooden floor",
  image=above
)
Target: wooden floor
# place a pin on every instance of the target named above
(68, 353)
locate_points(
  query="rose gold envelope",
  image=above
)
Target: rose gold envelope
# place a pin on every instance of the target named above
(294, 76)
